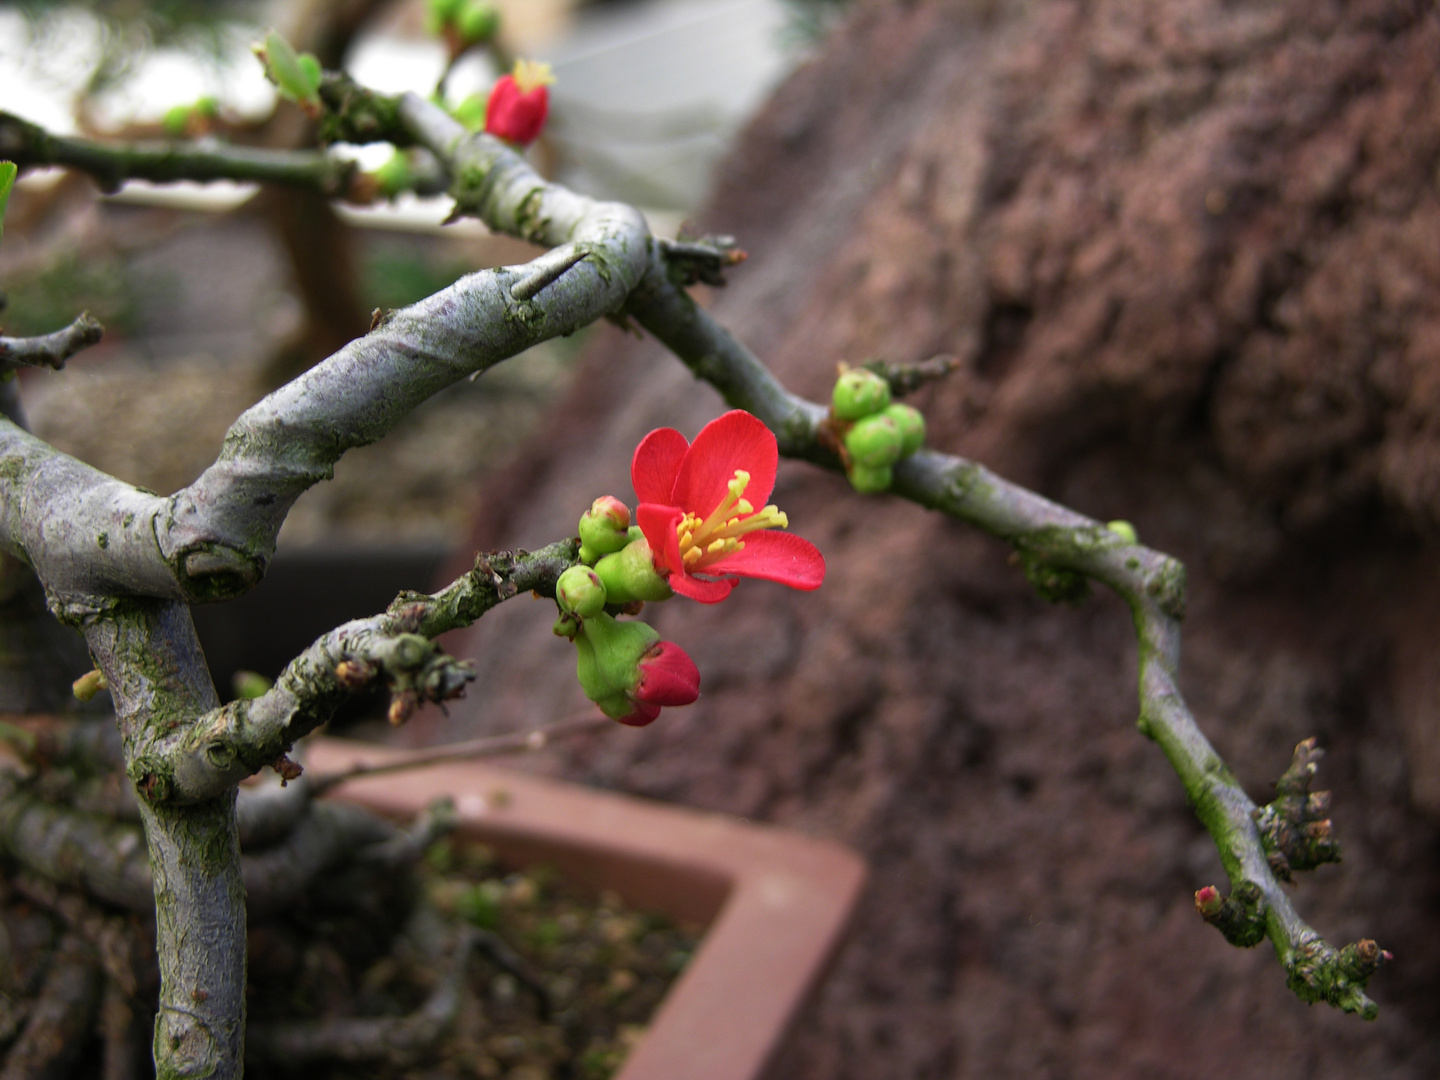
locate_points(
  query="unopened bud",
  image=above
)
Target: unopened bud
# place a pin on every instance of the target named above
(88, 685)
(477, 21)
(910, 424)
(580, 592)
(874, 442)
(1124, 530)
(604, 528)
(394, 176)
(859, 393)
(353, 674)
(1208, 902)
(630, 574)
(870, 481)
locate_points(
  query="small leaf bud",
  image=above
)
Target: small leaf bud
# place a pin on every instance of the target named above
(630, 574)
(1208, 902)
(859, 393)
(249, 685)
(911, 425)
(88, 685)
(296, 77)
(874, 442)
(580, 592)
(871, 481)
(1124, 530)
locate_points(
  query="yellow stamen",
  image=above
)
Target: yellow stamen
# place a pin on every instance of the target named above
(705, 542)
(531, 75)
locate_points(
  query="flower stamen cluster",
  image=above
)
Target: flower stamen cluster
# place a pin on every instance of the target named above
(718, 535)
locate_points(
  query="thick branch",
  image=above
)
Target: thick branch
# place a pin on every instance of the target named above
(158, 682)
(88, 534)
(111, 164)
(1053, 542)
(50, 350)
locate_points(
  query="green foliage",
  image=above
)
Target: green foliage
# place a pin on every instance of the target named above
(393, 277)
(45, 301)
(7, 181)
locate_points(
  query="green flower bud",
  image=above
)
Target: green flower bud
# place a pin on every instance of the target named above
(608, 655)
(471, 111)
(604, 528)
(478, 21)
(870, 481)
(580, 592)
(1124, 530)
(207, 106)
(910, 424)
(445, 11)
(874, 442)
(859, 393)
(566, 626)
(629, 574)
(394, 176)
(176, 120)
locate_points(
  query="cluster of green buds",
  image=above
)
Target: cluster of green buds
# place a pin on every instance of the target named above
(295, 75)
(875, 433)
(622, 666)
(463, 23)
(192, 120)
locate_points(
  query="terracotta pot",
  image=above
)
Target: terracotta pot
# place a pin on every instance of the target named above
(776, 904)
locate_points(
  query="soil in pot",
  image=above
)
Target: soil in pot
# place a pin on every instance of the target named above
(558, 983)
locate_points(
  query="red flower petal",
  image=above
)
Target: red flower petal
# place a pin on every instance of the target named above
(656, 464)
(667, 676)
(513, 115)
(774, 556)
(658, 523)
(734, 441)
(642, 715)
(707, 592)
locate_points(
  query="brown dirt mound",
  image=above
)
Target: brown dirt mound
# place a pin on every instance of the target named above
(1189, 252)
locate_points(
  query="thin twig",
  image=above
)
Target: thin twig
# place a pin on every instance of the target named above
(111, 164)
(50, 350)
(488, 746)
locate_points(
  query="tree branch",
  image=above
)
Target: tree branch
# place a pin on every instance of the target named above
(111, 164)
(50, 350)
(1059, 549)
(487, 746)
(203, 759)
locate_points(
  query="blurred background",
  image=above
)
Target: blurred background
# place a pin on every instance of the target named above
(1189, 254)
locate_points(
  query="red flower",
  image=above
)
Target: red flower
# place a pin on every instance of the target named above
(667, 677)
(519, 103)
(694, 513)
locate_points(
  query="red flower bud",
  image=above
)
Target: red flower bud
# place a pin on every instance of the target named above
(667, 676)
(519, 103)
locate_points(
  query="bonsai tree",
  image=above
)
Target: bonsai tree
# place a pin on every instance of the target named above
(122, 566)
